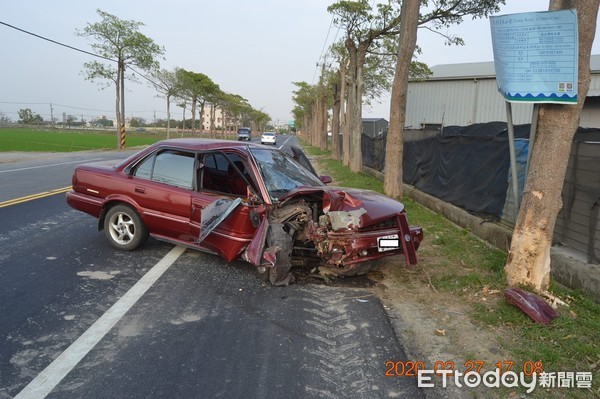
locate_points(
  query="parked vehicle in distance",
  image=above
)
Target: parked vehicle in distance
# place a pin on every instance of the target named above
(244, 133)
(268, 138)
(243, 200)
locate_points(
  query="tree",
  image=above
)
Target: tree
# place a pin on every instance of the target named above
(120, 42)
(362, 28)
(406, 49)
(304, 98)
(103, 122)
(196, 87)
(338, 119)
(70, 119)
(27, 117)
(441, 16)
(259, 120)
(166, 84)
(528, 261)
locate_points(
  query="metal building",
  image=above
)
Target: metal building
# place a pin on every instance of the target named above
(462, 94)
(374, 127)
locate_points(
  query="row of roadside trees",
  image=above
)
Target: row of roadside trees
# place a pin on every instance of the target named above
(124, 51)
(377, 53)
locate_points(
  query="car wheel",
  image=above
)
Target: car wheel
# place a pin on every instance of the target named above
(124, 228)
(279, 274)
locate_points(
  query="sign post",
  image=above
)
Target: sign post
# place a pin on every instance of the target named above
(536, 61)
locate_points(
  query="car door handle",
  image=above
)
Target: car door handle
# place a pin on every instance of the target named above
(140, 190)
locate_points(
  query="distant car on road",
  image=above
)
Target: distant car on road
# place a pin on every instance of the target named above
(268, 138)
(244, 133)
(263, 205)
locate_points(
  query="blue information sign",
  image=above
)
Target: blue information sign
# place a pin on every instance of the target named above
(536, 56)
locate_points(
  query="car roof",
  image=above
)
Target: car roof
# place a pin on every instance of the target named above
(205, 144)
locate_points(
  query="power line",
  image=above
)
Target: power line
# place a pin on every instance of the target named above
(55, 42)
(323, 49)
(77, 49)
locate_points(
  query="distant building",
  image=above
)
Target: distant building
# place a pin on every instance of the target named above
(463, 94)
(374, 127)
(206, 118)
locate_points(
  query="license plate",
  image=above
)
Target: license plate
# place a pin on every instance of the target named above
(388, 243)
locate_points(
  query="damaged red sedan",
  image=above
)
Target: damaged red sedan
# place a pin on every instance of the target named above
(242, 200)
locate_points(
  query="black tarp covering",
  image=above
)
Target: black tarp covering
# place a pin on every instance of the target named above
(373, 151)
(470, 172)
(467, 166)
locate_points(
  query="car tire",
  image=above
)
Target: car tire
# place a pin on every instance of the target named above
(124, 228)
(279, 274)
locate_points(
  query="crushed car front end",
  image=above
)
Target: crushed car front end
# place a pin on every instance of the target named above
(349, 230)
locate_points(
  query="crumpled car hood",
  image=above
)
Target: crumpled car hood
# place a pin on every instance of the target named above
(358, 208)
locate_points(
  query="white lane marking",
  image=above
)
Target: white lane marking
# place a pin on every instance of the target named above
(49, 165)
(52, 375)
(286, 140)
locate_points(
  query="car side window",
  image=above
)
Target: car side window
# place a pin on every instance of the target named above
(144, 170)
(175, 168)
(219, 174)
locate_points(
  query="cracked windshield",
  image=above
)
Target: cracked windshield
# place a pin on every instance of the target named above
(282, 174)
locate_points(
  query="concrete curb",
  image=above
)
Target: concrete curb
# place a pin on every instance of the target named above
(568, 267)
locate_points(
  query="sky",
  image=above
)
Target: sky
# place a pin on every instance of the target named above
(256, 49)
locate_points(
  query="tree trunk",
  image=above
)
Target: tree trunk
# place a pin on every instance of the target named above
(336, 149)
(351, 101)
(120, 117)
(183, 124)
(323, 123)
(395, 139)
(118, 108)
(355, 109)
(213, 116)
(168, 116)
(193, 115)
(529, 257)
(345, 155)
(314, 134)
(201, 116)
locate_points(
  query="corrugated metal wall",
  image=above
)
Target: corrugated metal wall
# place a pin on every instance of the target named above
(577, 224)
(459, 102)
(465, 101)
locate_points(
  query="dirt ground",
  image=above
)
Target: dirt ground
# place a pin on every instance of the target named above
(435, 327)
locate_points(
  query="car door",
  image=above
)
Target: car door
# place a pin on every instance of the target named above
(222, 221)
(302, 159)
(162, 186)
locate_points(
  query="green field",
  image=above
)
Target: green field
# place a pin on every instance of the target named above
(51, 140)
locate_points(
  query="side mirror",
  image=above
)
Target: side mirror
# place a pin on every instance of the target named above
(325, 179)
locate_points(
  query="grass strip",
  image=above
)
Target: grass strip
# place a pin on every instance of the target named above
(460, 264)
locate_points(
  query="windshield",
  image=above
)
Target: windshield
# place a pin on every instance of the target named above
(281, 173)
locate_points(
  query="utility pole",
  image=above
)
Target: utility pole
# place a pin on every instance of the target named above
(51, 115)
(121, 140)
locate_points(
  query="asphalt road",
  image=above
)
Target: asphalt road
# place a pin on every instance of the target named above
(80, 319)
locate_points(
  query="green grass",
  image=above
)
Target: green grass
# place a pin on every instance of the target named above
(457, 263)
(17, 139)
(460, 264)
